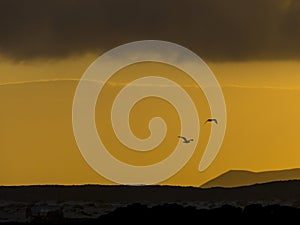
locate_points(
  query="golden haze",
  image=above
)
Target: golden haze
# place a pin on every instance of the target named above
(38, 147)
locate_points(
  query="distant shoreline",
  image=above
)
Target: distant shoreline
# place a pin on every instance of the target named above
(273, 191)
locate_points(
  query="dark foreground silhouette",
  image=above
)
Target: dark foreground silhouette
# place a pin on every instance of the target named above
(139, 213)
(175, 212)
(94, 204)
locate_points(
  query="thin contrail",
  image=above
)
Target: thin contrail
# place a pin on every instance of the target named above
(123, 84)
(42, 81)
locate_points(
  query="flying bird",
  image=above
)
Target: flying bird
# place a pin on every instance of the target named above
(212, 120)
(185, 140)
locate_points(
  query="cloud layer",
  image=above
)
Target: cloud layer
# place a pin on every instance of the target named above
(217, 30)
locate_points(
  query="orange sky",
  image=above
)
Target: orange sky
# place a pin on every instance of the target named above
(37, 145)
(278, 73)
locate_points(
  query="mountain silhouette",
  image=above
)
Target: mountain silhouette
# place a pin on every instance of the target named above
(236, 178)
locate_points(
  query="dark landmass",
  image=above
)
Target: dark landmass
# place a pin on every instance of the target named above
(284, 190)
(139, 213)
(92, 204)
(236, 178)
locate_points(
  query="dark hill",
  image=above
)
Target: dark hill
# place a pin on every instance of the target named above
(236, 178)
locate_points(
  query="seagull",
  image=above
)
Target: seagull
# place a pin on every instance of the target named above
(212, 120)
(185, 140)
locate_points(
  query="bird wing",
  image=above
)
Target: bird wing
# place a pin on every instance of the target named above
(183, 138)
(212, 120)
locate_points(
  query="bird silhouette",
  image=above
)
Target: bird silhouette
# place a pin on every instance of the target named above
(212, 120)
(185, 140)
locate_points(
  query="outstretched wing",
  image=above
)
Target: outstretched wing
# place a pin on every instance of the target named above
(212, 120)
(182, 138)
(215, 120)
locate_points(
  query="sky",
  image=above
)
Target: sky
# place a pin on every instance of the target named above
(252, 47)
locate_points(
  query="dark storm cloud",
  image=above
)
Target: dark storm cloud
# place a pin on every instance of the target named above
(214, 29)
